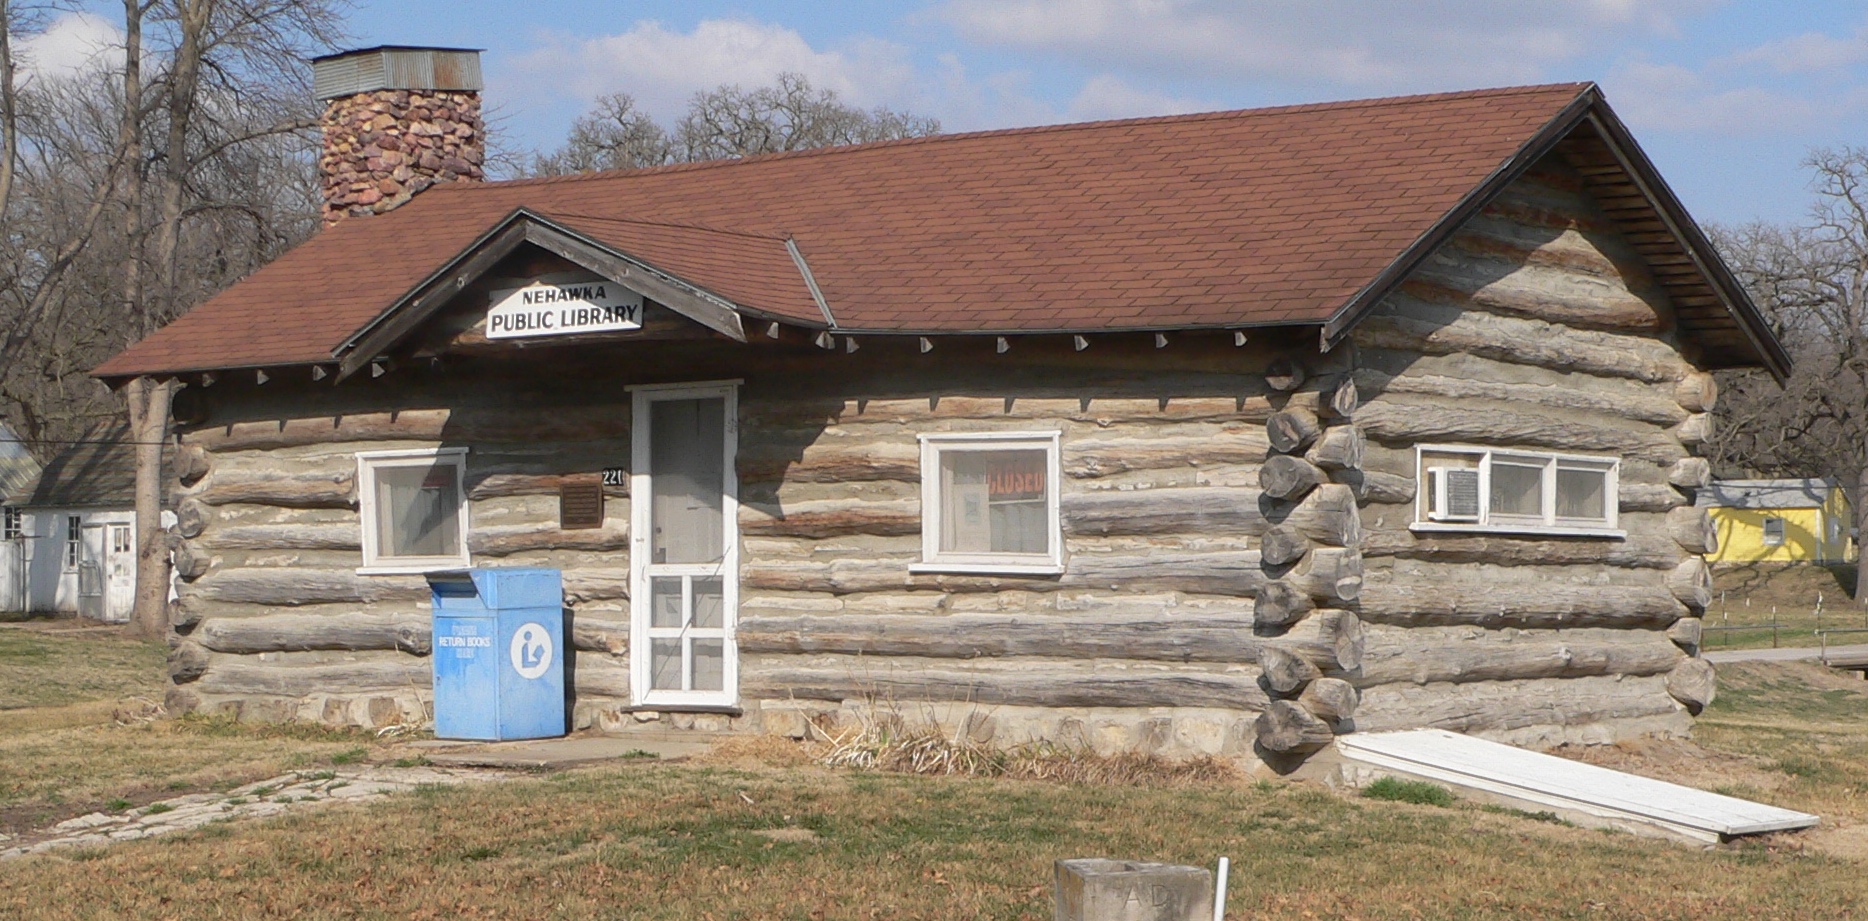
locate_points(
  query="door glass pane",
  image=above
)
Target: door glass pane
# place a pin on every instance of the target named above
(416, 511)
(1517, 490)
(687, 448)
(994, 502)
(665, 664)
(665, 603)
(709, 604)
(1582, 494)
(709, 665)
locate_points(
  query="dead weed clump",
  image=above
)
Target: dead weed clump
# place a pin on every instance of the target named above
(890, 745)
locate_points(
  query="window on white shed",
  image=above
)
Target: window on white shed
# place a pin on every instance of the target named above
(414, 510)
(74, 542)
(1471, 488)
(12, 523)
(989, 503)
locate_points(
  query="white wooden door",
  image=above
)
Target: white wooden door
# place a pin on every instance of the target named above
(684, 548)
(13, 574)
(120, 574)
(91, 558)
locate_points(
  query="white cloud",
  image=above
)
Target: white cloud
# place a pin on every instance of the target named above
(1811, 52)
(1391, 46)
(70, 45)
(663, 68)
(1109, 96)
(1801, 84)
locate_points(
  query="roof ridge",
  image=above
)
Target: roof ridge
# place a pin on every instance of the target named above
(1260, 111)
(682, 225)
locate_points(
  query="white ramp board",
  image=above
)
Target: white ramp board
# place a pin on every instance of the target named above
(1577, 791)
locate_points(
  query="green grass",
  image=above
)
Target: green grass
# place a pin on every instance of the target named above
(1418, 792)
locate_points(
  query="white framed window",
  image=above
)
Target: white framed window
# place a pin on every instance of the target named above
(12, 523)
(414, 510)
(1462, 488)
(74, 541)
(989, 503)
(1773, 532)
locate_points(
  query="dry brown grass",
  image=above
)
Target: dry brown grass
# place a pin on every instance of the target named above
(753, 833)
(889, 744)
(64, 751)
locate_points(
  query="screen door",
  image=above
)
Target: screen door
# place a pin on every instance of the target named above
(684, 547)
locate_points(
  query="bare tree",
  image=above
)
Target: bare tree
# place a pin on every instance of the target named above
(614, 135)
(137, 189)
(1812, 281)
(725, 122)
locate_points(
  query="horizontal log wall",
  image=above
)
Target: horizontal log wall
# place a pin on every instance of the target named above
(1235, 519)
(1536, 327)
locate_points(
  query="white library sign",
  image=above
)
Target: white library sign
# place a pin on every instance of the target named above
(542, 309)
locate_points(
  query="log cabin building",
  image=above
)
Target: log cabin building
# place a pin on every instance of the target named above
(1217, 433)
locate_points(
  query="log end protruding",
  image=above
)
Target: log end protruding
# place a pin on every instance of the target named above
(1280, 604)
(1330, 699)
(187, 662)
(1282, 545)
(1330, 574)
(1338, 448)
(184, 614)
(1288, 729)
(192, 517)
(1691, 582)
(1291, 430)
(1283, 476)
(1694, 529)
(1686, 633)
(1285, 375)
(1690, 473)
(1696, 430)
(1693, 683)
(1341, 401)
(191, 464)
(1697, 392)
(1284, 672)
(191, 562)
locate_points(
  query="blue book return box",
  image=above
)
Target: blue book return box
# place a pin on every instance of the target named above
(499, 654)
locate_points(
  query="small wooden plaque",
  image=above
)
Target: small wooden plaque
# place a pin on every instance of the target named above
(580, 505)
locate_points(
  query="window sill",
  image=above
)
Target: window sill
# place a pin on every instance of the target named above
(988, 569)
(1442, 527)
(414, 569)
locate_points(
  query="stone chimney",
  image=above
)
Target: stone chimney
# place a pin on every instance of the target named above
(396, 121)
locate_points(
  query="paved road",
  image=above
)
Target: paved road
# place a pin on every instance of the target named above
(1799, 654)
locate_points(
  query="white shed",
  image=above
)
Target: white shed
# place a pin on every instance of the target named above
(67, 531)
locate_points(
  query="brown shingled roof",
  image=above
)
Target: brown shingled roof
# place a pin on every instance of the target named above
(1259, 217)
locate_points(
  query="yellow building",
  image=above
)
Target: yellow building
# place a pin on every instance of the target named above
(1780, 521)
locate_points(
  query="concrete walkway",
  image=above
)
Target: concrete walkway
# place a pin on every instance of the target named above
(542, 754)
(295, 791)
(1797, 654)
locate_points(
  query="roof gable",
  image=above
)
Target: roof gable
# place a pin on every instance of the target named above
(1293, 216)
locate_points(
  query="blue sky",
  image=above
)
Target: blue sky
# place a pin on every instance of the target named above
(1727, 97)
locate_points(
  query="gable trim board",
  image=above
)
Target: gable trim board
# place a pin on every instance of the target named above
(407, 313)
(576, 237)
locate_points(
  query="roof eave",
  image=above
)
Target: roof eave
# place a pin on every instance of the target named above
(1588, 107)
(521, 226)
(1359, 305)
(1692, 239)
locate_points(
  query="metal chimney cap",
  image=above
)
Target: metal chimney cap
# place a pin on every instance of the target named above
(396, 67)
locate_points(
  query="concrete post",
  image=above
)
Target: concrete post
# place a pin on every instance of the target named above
(1125, 890)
